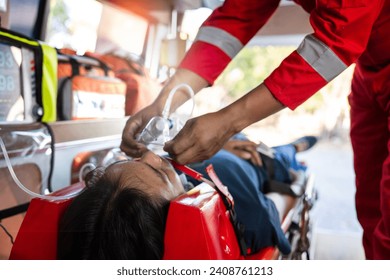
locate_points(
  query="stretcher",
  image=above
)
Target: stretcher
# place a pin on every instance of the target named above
(198, 226)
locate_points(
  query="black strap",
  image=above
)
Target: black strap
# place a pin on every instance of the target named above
(9, 212)
(52, 147)
(104, 66)
(268, 165)
(271, 185)
(62, 104)
(238, 227)
(279, 187)
(130, 62)
(75, 66)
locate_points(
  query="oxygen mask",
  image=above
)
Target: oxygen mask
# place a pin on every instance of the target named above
(161, 129)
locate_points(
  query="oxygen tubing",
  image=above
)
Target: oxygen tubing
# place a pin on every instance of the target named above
(167, 106)
(22, 187)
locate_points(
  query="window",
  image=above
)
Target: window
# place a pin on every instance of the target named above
(106, 28)
(69, 27)
(26, 17)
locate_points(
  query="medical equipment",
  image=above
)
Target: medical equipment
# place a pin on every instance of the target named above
(161, 129)
(21, 186)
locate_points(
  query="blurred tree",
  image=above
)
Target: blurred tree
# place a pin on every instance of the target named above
(250, 67)
(328, 108)
(58, 18)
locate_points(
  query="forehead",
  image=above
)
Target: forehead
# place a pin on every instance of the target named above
(151, 174)
(136, 168)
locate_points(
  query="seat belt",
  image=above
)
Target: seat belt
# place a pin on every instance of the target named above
(9, 212)
(271, 185)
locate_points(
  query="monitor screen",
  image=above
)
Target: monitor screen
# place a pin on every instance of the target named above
(11, 98)
(26, 17)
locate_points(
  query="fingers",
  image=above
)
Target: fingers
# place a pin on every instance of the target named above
(133, 127)
(133, 151)
(197, 141)
(129, 145)
(242, 154)
(186, 149)
(250, 153)
(180, 144)
(245, 150)
(195, 153)
(255, 158)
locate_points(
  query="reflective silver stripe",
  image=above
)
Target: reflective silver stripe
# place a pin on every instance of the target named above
(221, 39)
(321, 58)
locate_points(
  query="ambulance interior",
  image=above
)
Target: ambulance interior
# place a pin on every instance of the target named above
(152, 35)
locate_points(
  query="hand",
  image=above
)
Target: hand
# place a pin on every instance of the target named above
(137, 122)
(133, 127)
(200, 138)
(244, 149)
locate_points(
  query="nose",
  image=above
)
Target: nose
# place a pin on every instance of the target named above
(152, 159)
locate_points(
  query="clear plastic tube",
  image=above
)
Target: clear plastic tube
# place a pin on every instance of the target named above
(167, 106)
(22, 187)
(162, 129)
(83, 169)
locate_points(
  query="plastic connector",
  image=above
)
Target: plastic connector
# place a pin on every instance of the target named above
(162, 129)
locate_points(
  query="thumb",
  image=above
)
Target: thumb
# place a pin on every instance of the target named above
(168, 146)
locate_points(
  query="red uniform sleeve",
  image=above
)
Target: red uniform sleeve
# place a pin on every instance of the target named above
(240, 19)
(343, 27)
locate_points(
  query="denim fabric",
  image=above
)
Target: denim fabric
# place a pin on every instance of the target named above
(285, 159)
(254, 210)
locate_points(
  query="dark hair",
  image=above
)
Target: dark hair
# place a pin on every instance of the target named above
(109, 221)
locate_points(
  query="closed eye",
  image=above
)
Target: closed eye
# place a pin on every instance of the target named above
(157, 172)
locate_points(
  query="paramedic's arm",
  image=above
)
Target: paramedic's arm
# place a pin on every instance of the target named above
(137, 122)
(219, 39)
(341, 34)
(203, 136)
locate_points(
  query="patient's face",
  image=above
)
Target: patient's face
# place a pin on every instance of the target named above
(151, 174)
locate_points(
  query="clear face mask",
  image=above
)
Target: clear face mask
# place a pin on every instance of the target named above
(161, 129)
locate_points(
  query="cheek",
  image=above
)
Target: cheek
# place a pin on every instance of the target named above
(176, 180)
(176, 184)
(172, 192)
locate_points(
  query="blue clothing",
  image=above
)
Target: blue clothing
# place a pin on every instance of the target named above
(245, 182)
(285, 159)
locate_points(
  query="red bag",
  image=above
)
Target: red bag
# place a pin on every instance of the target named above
(88, 90)
(37, 237)
(198, 227)
(142, 90)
